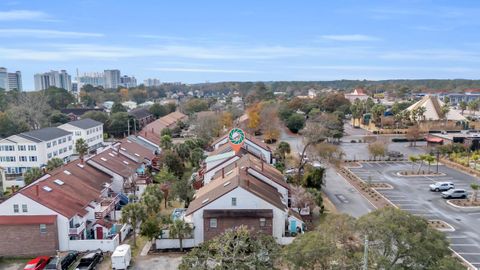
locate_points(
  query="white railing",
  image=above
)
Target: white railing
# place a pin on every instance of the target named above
(94, 244)
(77, 230)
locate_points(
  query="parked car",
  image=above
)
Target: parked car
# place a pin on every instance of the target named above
(455, 194)
(90, 261)
(53, 264)
(38, 263)
(317, 164)
(394, 154)
(68, 260)
(441, 186)
(291, 171)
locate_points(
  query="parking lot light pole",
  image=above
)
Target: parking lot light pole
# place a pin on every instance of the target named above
(438, 158)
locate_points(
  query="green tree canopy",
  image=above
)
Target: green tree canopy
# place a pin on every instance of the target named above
(235, 249)
(296, 122)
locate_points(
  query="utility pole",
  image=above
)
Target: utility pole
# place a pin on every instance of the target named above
(365, 254)
(438, 158)
(134, 126)
(128, 125)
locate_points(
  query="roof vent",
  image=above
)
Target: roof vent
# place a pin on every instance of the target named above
(137, 155)
(121, 148)
(67, 172)
(80, 165)
(226, 184)
(47, 188)
(205, 201)
(111, 155)
(104, 159)
(125, 162)
(58, 182)
(230, 172)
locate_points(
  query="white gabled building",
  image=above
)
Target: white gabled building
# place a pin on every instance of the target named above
(241, 197)
(20, 152)
(87, 129)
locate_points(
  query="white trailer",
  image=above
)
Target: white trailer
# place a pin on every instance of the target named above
(121, 257)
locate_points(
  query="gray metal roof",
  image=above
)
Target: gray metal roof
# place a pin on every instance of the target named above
(44, 134)
(85, 123)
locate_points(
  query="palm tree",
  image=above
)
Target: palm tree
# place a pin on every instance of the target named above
(421, 158)
(429, 159)
(421, 113)
(475, 157)
(180, 229)
(283, 149)
(81, 147)
(54, 163)
(413, 159)
(31, 175)
(462, 105)
(475, 188)
(473, 106)
(134, 214)
(166, 142)
(445, 109)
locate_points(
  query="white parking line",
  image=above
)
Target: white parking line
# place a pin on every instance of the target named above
(460, 245)
(456, 237)
(468, 253)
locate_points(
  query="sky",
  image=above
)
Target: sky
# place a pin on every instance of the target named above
(248, 40)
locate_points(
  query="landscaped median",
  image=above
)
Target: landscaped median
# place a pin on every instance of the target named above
(369, 192)
(468, 204)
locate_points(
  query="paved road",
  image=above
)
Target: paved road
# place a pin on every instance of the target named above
(167, 261)
(411, 194)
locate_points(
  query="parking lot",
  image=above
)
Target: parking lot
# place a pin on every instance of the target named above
(412, 194)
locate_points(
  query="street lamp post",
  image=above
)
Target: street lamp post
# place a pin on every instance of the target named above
(438, 158)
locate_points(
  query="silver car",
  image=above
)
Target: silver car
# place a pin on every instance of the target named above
(455, 194)
(441, 186)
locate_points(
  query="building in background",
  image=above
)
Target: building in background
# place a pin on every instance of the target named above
(3, 78)
(15, 81)
(59, 79)
(89, 130)
(112, 78)
(10, 81)
(93, 79)
(127, 81)
(151, 82)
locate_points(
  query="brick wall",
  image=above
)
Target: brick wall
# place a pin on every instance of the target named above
(27, 241)
(224, 223)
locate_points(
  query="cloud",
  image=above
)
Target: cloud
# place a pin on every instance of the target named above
(355, 37)
(201, 70)
(45, 33)
(23, 15)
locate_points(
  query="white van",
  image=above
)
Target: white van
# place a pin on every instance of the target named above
(121, 257)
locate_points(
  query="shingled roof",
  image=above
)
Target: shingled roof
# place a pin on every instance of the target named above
(68, 190)
(237, 178)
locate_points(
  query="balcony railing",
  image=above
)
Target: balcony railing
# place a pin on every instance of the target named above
(77, 230)
(107, 205)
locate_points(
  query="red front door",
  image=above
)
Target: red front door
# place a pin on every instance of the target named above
(99, 233)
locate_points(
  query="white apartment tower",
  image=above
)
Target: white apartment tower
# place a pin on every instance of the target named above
(112, 78)
(60, 79)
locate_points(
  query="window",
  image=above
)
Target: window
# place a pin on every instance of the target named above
(15, 208)
(33, 158)
(234, 201)
(32, 147)
(24, 208)
(65, 149)
(49, 144)
(7, 148)
(22, 148)
(54, 143)
(77, 133)
(59, 141)
(55, 153)
(69, 138)
(213, 223)
(64, 139)
(60, 151)
(22, 158)
(43, 228)
(7, 159)
(49, 155)
(263, 222)
(70, 147)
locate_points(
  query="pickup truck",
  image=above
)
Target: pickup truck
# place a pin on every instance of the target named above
(90, 261)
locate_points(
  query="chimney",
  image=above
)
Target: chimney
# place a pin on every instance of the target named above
(37, 190)
(262, 165)
(152, 129)
(223, 172)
